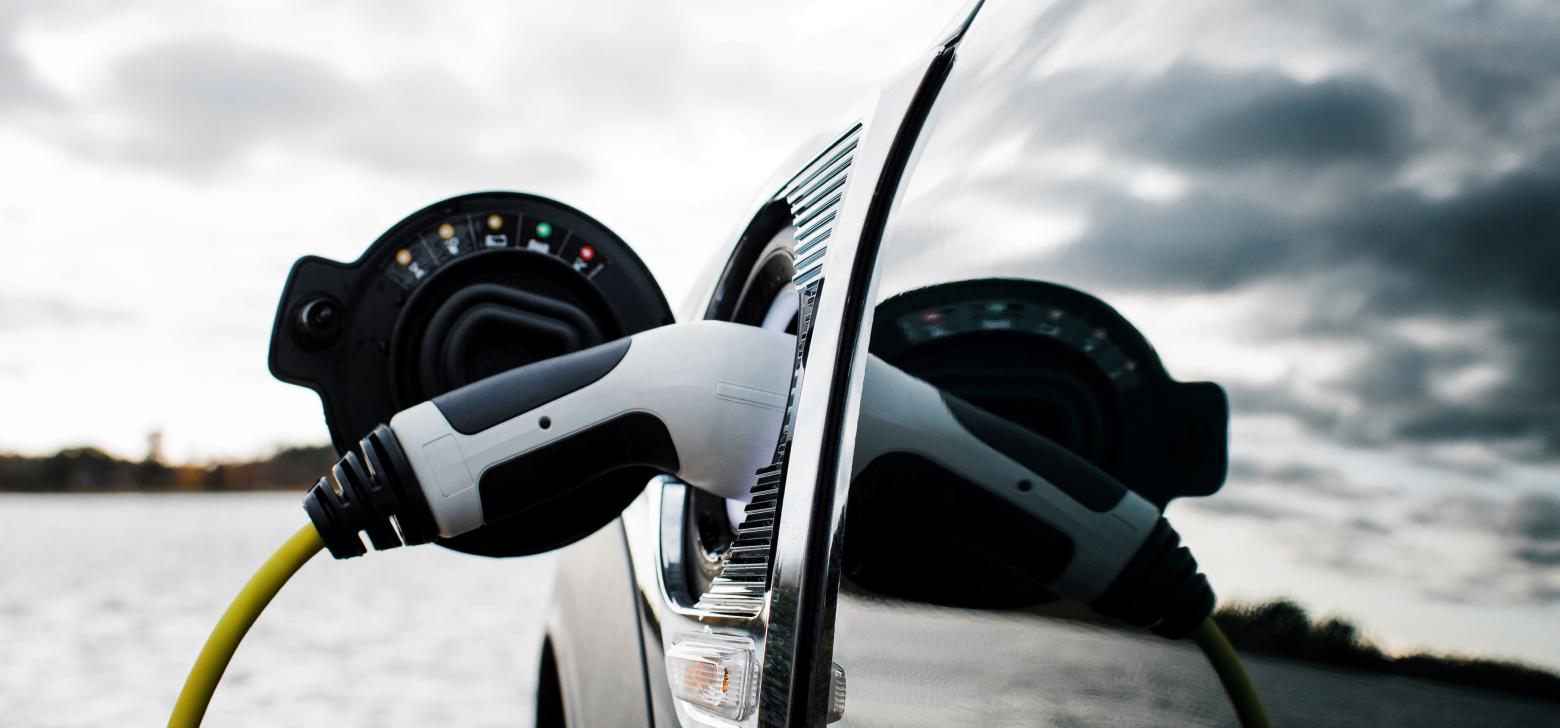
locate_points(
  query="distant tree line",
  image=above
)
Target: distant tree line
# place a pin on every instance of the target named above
(90, 470)
(1283, 628)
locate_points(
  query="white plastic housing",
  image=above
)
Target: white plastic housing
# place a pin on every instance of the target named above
(720, 389)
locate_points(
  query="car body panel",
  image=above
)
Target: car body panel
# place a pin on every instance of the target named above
(594, 631)
(1088, 144)
(1039, 138)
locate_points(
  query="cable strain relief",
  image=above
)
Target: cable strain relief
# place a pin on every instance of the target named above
(368, 495)
(1196, 594)
(412, 512)
(1160, 588)
(373, 491)
(330, 520)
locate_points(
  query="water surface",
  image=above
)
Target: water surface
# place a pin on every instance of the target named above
(106, 599)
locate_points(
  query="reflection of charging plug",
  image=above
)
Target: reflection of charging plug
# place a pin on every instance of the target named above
(702, 401)
(986, 489)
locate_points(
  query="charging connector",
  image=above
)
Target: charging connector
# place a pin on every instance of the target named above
(374, 493)
(701, 401)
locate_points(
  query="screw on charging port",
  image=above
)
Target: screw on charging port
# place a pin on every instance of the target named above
(319, 321)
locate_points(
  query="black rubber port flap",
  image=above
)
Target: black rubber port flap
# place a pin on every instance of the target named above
(502, 397)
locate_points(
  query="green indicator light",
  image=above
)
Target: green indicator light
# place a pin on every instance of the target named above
(995, 307)
(543, 230)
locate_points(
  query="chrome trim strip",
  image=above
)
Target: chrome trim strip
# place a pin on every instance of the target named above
(788, 188)
(817, 226)
(814, 211)
(821, 237)
(812, 195)
(805, 582)
(784, 530)
(744, 580)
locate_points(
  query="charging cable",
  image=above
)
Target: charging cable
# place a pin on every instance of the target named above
(1232, 674)
(246, 608)
(235, 623)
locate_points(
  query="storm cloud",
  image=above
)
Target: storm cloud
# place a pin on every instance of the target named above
(1537, 517)
(1304, 186)
(19, 85)
(1199, 118)
(200, 108)
(18, 313)
(198, 105)
(1494, 60)
(1490, 253)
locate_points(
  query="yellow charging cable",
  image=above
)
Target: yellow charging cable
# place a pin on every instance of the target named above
(236, 621)
(304, 544)
(1232, 673)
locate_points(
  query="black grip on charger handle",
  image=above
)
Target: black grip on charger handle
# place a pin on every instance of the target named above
(1126, 559)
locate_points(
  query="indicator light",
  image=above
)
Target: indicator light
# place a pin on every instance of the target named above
(587, 252)
(712, 672)
(495, 222)
(995, 307)
(403, 257)
(446, 231)
(931, 317)
(543, 229)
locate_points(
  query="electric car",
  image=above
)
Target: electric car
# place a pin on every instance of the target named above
(1075, 218)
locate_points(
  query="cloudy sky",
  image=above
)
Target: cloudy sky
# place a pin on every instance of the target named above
(1347, 215)
(165, 161)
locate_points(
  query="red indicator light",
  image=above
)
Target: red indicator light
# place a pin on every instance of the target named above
(931, 317)
(587, 252)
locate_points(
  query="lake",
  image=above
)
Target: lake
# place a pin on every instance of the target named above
(105, 600)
